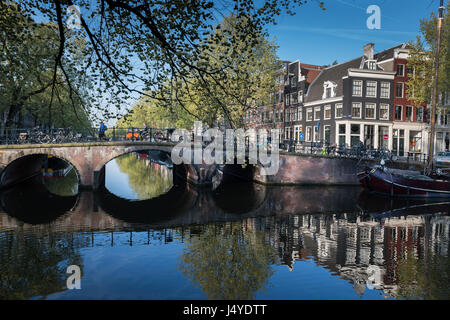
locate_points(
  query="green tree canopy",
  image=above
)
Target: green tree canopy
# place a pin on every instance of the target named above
(137, 47)
(30, 81)
(422, 61)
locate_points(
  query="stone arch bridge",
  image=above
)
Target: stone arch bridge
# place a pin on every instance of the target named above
(18, 162)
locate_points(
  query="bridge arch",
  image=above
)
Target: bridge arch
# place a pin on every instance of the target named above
(88, 159)
(23, 165)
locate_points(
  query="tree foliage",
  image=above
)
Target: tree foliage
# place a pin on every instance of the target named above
(151, 48)
(30, 81)
(423, 58)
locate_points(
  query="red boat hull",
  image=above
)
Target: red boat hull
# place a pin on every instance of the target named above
(383, 181)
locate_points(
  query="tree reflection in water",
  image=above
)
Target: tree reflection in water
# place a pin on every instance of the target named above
(228, 262)
(420, 280)
(147, 178)
(63, 186)
(35, 264)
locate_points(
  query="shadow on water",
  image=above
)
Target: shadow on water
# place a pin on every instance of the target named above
(31, 202)
(155, 210)
(382, 206)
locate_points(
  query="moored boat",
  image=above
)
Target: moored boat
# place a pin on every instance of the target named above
(407, 183)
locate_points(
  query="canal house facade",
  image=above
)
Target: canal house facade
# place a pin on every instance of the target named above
(351, 103)
(361, 101)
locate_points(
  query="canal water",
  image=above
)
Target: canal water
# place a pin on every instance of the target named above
(143, 236)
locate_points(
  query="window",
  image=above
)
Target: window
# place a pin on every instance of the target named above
(398, 112)
(384, 111)
(309, 114)
(327, 112)
(409, 113)
(369, 136)
(286, 115)
(400, 70)
(399, 90)
(316, 134)
(342, 135)
(410, 71)
(372, 65)
(287, 133)
(357, 88)
(328, 92)
(288, 100)
(327, 134)
(415, 141)
(299, 114)
(370, 110)
(371, 89)
(308, 133)
(316, 113)
(297, 131)
(300, 96)
(356, 110)
(355, 130)
(294, 97)
(419, 114)
(385, 90)
(338, 113)
(383, 136)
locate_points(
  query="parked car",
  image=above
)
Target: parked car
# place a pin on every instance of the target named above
(443, 159)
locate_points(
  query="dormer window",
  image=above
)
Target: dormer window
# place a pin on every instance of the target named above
(329, 89)
(371, 65)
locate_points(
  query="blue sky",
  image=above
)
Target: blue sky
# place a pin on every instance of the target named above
(319, 36)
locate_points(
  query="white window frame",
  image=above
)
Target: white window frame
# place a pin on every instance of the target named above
(403, 89)
(370, 105)
(336, 107)
(299, 114)
(360, 109)
(403, 73)
(309, 111)
(367, 89)
(326, 108)
(308, 134)
(353, 88)
(385, 92)
(315, 111)
(384, 106)
(401, 113)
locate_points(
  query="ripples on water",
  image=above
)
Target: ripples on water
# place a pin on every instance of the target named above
(163, 241)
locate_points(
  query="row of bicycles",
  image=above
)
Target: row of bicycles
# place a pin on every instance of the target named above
(358, 151)
(38, 136)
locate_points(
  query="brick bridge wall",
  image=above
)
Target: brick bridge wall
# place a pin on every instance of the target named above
(88, 159)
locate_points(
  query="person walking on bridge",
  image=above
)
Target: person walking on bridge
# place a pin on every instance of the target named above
(101, 131)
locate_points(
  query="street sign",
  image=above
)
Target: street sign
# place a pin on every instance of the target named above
(300, 136)
(386, 137)
(318, 126)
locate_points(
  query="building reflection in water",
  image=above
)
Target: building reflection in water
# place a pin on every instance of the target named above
(399, 248)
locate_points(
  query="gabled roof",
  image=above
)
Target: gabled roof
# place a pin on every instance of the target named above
(334, 74)
(337, 72)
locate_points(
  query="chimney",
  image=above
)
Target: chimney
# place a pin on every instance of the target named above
(368, 51)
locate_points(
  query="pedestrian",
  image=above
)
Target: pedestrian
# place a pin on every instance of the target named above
(101, 131)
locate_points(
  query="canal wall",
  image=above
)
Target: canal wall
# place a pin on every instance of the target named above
(301, 169)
